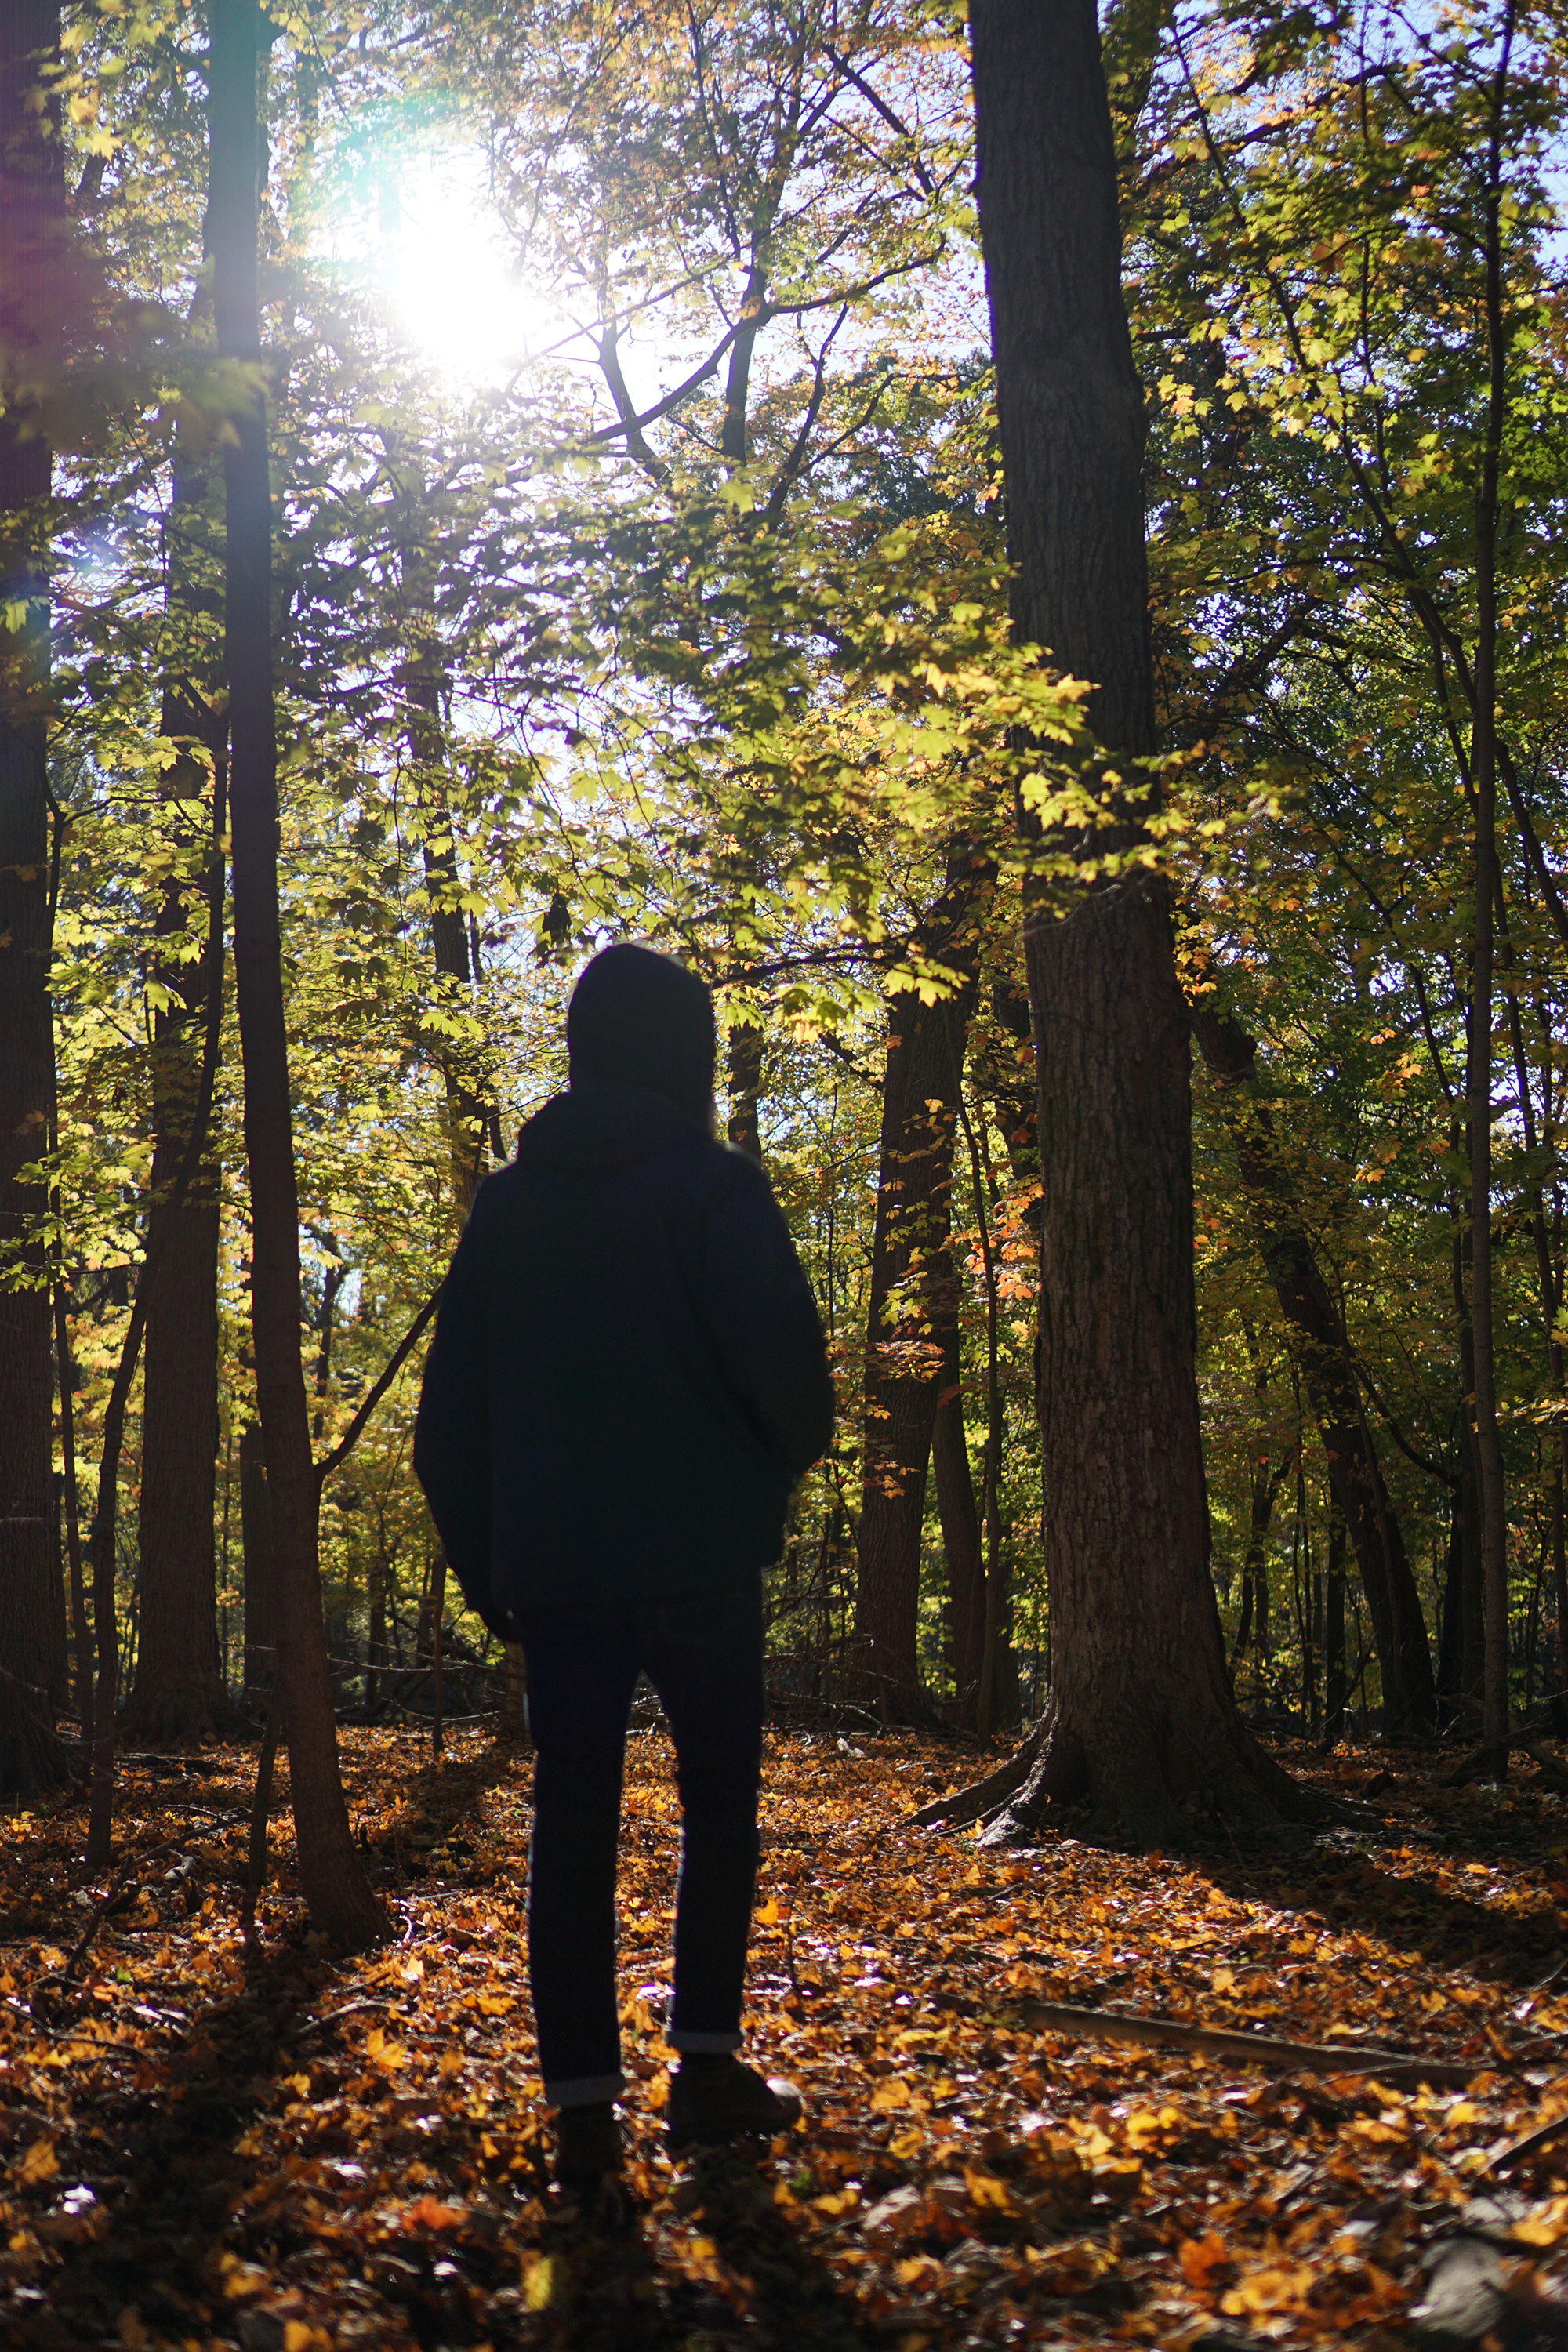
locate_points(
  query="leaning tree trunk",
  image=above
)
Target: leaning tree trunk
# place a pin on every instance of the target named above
(179, 1695)
(911, 1271)
(31, 202)
(339, 1898)
(1322, 1350)
(1141, 1719)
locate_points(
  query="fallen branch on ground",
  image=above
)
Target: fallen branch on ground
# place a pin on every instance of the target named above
(1250, 2049)
(1542, 2137)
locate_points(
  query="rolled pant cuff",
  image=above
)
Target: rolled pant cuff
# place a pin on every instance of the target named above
(701, 2045)
(585, 2090)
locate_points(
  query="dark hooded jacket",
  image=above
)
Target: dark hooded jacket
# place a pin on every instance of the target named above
(628, 1373)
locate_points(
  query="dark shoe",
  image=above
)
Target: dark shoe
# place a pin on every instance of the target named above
(587, 2150)
(719, 2100)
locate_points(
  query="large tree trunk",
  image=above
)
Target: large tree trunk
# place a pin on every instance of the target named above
(179, 1695)
(31, 205)
(911, 1269)
(339, 1898)
(1141, 1719)
(1322, 1350)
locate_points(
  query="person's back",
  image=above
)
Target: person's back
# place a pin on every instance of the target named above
(627, 1377)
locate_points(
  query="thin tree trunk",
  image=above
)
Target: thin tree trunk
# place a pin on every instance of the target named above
(32, 206)
(991, 1625)
(1393, 1598)
(743, 1072)
(511, 1719)
(179, 1696)
(341, 1901)
(438, 1579)
(260, 1571)
(1141, 1716)
(1336, 1696)
(376, 1640)
(910, 1265)
(1479, 1075)
(1472, 1573)
(67, 1370)
(102, 1541)
(1255, 1564)
(960, 1515)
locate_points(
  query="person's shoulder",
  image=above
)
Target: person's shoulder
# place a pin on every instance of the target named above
(490, 1201)
(736, 1177)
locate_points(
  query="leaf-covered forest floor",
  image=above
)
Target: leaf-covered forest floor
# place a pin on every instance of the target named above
(284, 2150)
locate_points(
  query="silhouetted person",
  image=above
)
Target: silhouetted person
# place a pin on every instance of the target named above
(627, 1377)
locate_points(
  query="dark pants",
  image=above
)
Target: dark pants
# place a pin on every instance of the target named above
(702, 1652)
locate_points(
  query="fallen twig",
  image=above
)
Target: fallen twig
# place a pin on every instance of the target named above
(350, 2009)
(1540, 2138)
(1250, 2049)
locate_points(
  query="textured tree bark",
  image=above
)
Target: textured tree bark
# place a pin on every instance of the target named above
(1322, 1350)
(32, 206)
(341, 1900)
(911, 1276)
(1141, 1719)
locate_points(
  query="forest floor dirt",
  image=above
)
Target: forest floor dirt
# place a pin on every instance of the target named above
(284, 2150)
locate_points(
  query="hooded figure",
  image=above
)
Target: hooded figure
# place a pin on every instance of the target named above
(628, 1374)
(627, 1378)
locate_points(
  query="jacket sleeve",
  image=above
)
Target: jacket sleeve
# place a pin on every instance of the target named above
(762, 1320)
(452, 1430)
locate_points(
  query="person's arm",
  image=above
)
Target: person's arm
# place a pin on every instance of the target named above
(762, 1320)
(452, 1430)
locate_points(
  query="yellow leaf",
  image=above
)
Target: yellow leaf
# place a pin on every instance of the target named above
(40, 2162)
(300, 2083)
(768, 1916)
(985, 2189)
(890, 2093)
(1268, 2290)
(1223, 1980)
(388, 2056)
(838, 2200)
(298, 2335)
(539, 2283)
(241, 2278)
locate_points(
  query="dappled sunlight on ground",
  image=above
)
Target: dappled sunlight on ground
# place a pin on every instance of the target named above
(285, 2149)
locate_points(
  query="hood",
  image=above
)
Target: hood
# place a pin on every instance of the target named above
(638, 1018)
(599, 1127)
